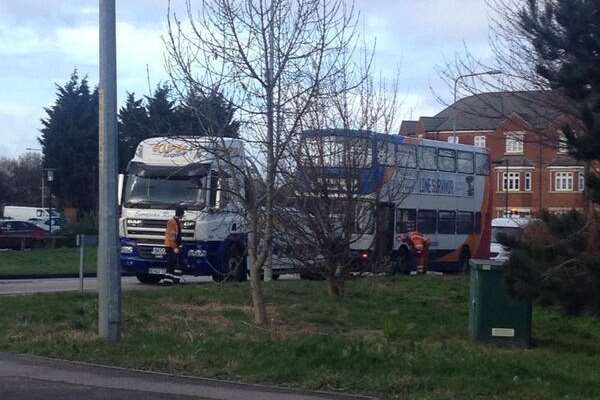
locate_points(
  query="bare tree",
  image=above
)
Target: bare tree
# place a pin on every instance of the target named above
(334, 189)
(271, 58)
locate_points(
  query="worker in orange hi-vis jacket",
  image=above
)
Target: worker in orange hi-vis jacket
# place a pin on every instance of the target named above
(419, 245)
(173, 246)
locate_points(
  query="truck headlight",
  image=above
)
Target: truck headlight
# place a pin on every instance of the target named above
(126, 249)
(196, 253)
(189, 224)
(134, 222)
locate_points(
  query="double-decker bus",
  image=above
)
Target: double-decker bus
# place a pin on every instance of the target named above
(441, 189)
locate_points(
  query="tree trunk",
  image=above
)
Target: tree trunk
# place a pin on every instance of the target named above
(258, 301)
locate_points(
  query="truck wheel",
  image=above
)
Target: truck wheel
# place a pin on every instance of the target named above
(235, 269)
(148, 279)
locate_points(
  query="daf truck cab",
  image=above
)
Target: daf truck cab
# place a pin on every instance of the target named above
(198, 174)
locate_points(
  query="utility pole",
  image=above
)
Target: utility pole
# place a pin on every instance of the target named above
(109, 268)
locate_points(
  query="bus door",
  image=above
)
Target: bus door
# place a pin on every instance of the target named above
(384, 230)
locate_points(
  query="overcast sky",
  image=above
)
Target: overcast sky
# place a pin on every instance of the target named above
(42, 41)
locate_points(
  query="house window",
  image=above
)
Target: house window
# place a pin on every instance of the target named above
(453, 139)
(514, 143)
(479, 141)
(563, 181)
(581, 182)
(528, 181)
(511, 180)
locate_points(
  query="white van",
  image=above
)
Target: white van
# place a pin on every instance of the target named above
(26, 213)
(512, 227)
(36, 215)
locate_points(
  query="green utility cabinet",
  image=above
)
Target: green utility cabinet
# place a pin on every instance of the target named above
(494, 315)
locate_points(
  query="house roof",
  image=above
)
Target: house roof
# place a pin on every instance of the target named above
(486, 111)
(564, 160)
(408, 128)
(514, 161)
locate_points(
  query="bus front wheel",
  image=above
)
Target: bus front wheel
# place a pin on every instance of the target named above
(402, 262)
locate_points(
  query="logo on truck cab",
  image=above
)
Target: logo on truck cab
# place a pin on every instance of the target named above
(170, 149)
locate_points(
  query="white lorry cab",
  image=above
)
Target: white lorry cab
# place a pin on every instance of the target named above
(512, 227)
(201, 175)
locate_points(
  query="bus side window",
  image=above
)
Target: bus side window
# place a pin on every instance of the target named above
(482, 164)
(427, 221)
(464, 222)
(446, 160)
(446, 222)
(406, 220)
(477, 227)
(464, 162)
(427, 158)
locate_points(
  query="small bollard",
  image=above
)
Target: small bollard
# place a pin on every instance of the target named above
(80, 242)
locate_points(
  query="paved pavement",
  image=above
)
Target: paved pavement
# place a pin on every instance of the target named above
(31, 378)
(29, 286)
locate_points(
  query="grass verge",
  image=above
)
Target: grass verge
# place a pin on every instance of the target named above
(62, 260)
(398, 338)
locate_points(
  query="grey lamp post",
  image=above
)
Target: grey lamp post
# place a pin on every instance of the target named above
(50, 178)
(458, 78)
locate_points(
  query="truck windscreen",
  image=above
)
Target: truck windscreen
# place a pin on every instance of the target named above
(165, 192)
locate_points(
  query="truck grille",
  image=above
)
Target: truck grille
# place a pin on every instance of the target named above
(152, 231)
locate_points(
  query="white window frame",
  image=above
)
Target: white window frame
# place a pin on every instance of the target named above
(453, 139)
(581, 181)
(514, 143)
(563, 181)
(479, 141)
(528, 182)
(514, 181)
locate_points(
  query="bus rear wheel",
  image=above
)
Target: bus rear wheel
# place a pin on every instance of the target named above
(463, 261)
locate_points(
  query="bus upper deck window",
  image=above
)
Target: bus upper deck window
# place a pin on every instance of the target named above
(427, 158)
(446, 160)
(464, 162)
(482, 164)
(406, 156)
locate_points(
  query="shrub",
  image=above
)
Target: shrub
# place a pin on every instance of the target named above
(551, 263)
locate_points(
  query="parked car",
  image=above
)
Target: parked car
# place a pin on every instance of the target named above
(44, 223)
(511, 227)
(20, 234)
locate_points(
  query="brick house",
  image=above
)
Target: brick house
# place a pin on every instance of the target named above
(531, 166)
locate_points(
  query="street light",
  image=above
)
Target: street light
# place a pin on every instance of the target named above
(43, 177)
(491, 72)
(500, 162)
(50, 178)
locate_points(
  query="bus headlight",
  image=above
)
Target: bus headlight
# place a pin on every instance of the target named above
(196, 253)
(126, 249)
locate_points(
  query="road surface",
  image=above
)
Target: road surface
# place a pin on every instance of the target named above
(32, 378)
(29, 286)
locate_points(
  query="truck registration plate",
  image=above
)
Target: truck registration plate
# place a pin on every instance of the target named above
(159, 252)
(157, 271)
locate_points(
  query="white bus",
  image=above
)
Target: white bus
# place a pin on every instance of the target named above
(446, 194)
